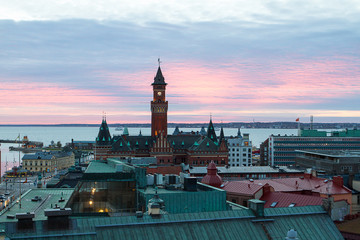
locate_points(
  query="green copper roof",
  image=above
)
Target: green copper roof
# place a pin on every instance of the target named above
(126, 131)
(49, 197)
(238, 224)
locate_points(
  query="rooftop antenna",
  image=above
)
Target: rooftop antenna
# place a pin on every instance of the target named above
(311, 122)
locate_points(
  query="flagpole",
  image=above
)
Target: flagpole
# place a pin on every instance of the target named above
(20, 174)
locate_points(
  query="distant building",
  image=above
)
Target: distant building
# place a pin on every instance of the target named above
(240, 150)
(48, 161)
(192, 148)
(281, 150)
(255, 172)
(81, 145)
(332, 162)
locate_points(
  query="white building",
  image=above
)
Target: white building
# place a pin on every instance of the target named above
(240, 150)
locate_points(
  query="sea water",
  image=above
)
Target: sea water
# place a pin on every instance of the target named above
(47, 134)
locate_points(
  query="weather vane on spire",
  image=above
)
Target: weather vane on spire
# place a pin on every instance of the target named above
(159, 61)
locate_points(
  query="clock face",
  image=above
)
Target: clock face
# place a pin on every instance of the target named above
(159, 93)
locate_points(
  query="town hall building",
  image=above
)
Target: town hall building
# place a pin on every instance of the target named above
(196, 149)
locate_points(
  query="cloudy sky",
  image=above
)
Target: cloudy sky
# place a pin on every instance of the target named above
(69, 61)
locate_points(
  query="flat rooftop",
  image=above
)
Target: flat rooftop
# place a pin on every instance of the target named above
(100, 167)
(255, 169)
(200, 188)
(49, 197)
(334, 153)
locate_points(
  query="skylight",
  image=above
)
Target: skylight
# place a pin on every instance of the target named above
(273, 204)
(292, 205)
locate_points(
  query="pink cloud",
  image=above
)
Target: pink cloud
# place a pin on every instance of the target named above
(229, 90)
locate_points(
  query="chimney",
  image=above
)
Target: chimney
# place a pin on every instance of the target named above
(307, 175)
(313, 173)
(351, 179)
(58, 218)
(338, 180)
(257, 206)
(25, 220)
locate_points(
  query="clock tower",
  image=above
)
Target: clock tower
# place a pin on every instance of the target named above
(159, 106)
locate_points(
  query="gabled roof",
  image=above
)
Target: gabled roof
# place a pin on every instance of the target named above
(159, 78)
(285, 199)
(205, 144)
(245, 188)
(178, 142)
(299, 184)
(130, 143)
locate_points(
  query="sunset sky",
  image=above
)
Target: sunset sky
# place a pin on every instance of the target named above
(69, 61)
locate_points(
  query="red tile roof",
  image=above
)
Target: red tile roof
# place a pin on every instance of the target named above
(285, 199)
(314, 184)
(245, 188)
(164, 170)
(298, 184)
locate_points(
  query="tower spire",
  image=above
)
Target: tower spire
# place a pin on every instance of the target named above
(221, 134)
(211, 131)
(239, 133)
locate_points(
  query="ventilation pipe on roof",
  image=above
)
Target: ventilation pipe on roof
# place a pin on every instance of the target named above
(291, 234)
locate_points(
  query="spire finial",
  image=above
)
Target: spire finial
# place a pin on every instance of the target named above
(159, 61)
(210, 117)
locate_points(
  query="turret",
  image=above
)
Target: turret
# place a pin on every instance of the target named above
(212, 178)
(104, 137)
(211, 131)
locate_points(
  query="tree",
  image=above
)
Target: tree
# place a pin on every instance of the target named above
(58, 144)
